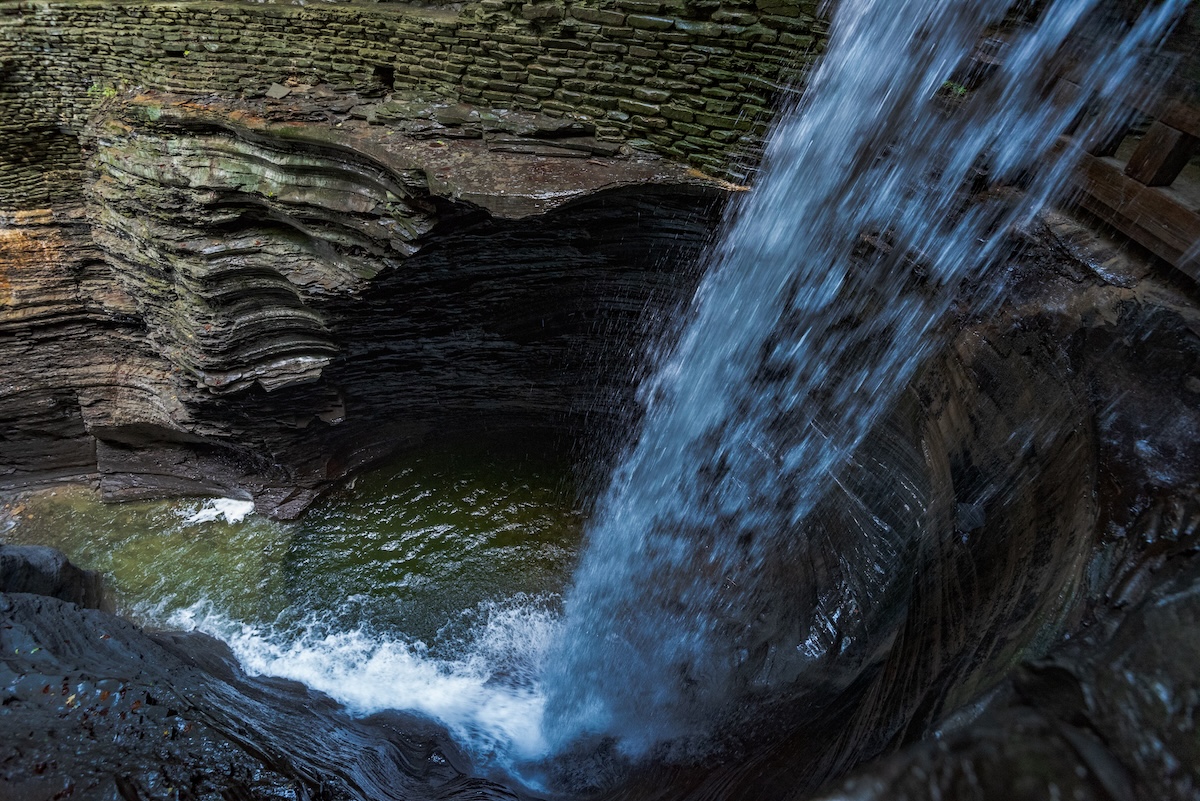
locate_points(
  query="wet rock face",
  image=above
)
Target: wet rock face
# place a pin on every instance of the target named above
(1008, 438)
(1102, 539)
(1107, 716)
(260, 308)
(45, 571)
(94, 708)
(979, 577)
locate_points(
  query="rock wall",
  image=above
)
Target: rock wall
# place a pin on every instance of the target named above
(311, 238)
(690, 79)
(255, 307)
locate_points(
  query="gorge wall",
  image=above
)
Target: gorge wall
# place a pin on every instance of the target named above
(247, 249)
(1048, 447)
(273, 243)
(692, 80)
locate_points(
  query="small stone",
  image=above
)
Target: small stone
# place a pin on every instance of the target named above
(278, 91)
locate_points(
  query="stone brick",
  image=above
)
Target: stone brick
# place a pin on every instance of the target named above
(639, 121)
(676, 113)
(799, 41)
(722, 121)
(541, 11)
(641, 6)
(698, 28)
(649, 23)
(651, 95)
(735, 17)
(598, 16)
(638, 107)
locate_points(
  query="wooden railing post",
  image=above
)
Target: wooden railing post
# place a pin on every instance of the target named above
(1162, 154)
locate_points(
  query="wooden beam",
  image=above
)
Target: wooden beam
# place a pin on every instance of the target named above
(1183, 115)
(1146, 215)
(1161, 155)
(1180, 115)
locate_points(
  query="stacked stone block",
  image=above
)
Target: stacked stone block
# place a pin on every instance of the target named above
(693, 80)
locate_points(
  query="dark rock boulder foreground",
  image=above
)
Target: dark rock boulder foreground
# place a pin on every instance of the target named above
(93, 707)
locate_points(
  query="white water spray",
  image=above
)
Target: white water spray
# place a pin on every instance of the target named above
(481, 684)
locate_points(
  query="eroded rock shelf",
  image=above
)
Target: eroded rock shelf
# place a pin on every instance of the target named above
(290, 300)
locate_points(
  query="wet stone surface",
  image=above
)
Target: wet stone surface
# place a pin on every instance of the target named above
(92, 707)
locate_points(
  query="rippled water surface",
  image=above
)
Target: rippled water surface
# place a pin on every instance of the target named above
(431, 584)
(406, 549)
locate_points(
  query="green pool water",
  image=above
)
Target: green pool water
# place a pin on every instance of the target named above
(404, 551)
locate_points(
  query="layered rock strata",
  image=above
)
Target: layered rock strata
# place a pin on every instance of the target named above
(258, 307)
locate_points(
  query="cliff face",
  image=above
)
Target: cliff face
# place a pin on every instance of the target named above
(257, 308)
(351, 227)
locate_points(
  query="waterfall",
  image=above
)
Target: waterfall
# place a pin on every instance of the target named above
(708, 580)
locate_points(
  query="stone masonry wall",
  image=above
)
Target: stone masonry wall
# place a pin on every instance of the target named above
(693, 80)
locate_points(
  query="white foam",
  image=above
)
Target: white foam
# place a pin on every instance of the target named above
(232, 509)
(486, 693)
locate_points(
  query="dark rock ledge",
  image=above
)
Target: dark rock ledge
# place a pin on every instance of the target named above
(92, 708)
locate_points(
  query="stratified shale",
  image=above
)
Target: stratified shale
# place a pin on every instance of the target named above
(262, 307)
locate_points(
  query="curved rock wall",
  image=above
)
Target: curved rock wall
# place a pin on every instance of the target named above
(259, 308)
(981, 575)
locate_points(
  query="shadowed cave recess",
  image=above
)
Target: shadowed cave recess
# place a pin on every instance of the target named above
(874, 451)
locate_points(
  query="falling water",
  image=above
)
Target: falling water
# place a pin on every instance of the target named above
(833, 276)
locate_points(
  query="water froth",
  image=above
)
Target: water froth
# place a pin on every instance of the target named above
(480, 678)
(232, 509)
